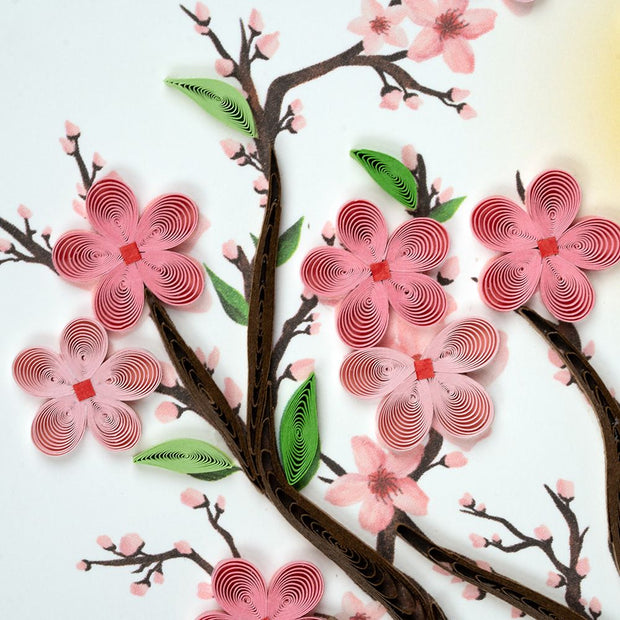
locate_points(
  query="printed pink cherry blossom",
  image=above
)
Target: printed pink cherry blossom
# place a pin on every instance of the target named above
(182, 546)
(224, 66)
(544, 248)
(328, 231)
(130, 544)
(381, 484)
(5, 245)
(204, 590)
(268, 44)
(84, 389)
(582, 568)
(354, 609)
(458, 94)
(467, 501)
(220, 502)
(298, 123)
(158, 577)
(516, 613)
(128, 252)
(565, 489)
(471, 592)
(105, 542)
(139, 588)
(466, 112)
(167, 412)
(47, 231)
(193, 498)
(72, 130)
(302, 369)
(595, 605)
(98, 161)
(231, 148)
(448, 27)
(455, 459)
(409, 157)
(315, 328)
(230, 250)
(391, 98)
(213, 359)
(79, 207)
(296, 106)
(232, 393)
(413, 101)
(82, 565)
(542, 532)
(431, 389)
(375, 271)
(202, 12)
(554, 580)
(256, 21)
(24, 212)
(378, 25)
(240, 590)
(446, 194)
(68, 146)
(478, 541)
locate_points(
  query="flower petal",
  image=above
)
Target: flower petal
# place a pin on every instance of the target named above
(112, 210)
(510, 280)
(348, 489)
(42, 372)
(405, 415)
(81, 255)
(332, 272)
(363, 315)
(422, 12)
(375, 514)
(419, 244)
(374, 372)
(457, 6)
(565, 290)
(396, 36)
(173, 278)
(362, 230)
(167, 221)
(372, 42)
(214, 615)
(503, 226)
(360, 25)
(458, 55)
(59, 425)
(129, 374)
(367, 454)
(416, 298)
(114, 424)
(463, 346)
(478, 21)
(462, 407)
(83, 346)
(401, 464)
(119, 298)
(240, 590)
(412, 499)
(553, 199)
(591, 243)
(371, 8)
(294, 591)
(427, 44)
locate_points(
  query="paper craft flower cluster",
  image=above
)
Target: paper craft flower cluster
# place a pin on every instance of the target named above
(239, 589)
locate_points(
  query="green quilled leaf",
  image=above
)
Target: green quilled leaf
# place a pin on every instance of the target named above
(223, 101)
(233, 302)
(445, 211)
(188, 456)
(393, 176)
(289, 241)
(299, 435)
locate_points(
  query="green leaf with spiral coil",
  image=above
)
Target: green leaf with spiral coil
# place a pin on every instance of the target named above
(393, 176)
(219, 99)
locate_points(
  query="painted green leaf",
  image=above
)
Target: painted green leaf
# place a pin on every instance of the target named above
(445, 211)
(216, 475)
(299, 435)
(233, 302)
(188, 456)
(254, 239)
(219, 99)
(393, 176)
(289, 241)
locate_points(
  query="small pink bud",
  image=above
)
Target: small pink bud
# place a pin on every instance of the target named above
(481, 507)
(68, 146)
(72, 131)
(130, 544)
(263, 200)
(554, 580)
(496, 538)
(328, 231)
(565, 488)
(588, 350)
(563, 376)
(5, 245)
(458, 94)
(436, 184)
(516, 613)
(298, 123)
(158, 577)
(391, 100)
(105, 542)
(315, 328)
(451, 268)
(466, 112)
(542, 532)
(80, 189)
(296, 106)
(256, 21)
(220, 502)
(301, 369)
(467, 501)
(595, 605)
(81, 565)
(554, 358)
(79, 207)
(139, 588)
(260, 184)
(192, 498)
(268, 44)
(582, 568)
(307, 293)
(182, 546)
(213, 359)
(409, 157)
(583, 601)
(251, 148)
(229, 250)
(446, 194)
(440, 570)
(455, 459)
(98, 161)
(484, 565)
(231, 148)
(202, 12)
(205, 591)
(315, 316)
(232, 393)
(201, 29)
(471, 592)
(413, 101)
(224, 66)
(168, 374)
(166, 412)
(477, 541)
(47, 231)
(200, 354)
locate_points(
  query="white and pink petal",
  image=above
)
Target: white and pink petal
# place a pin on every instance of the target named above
(332, 272)
(362, 230)
(81, 255)
(59, 425)
(129, 374)
(83, 346)
(591, 243)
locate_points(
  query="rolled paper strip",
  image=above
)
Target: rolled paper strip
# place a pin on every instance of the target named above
(591, 243)
(41, 372)
(83, 346)
(58, 426)
(239, 588)
(114, 424)
(362, 230)
(295, 590)
(130, 374)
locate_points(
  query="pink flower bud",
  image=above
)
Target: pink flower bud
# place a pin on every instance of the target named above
(182, 546)
(68, 146)
(47, 231)
(168, 374)
(554, 580)
(251, 148)
(471, 593)
(440, 570)
(229, 250)
(477, 541)
(588, 350)
(166, 412)
(451, 268)
(554, 358)
(467, 501)
(260, 184)
(214, 358)
(315, 316)
(565, 488)
(98, 161)
(200, 354)
(563, 376)
(542, 532)
(231, 148)
(81, 565)
(481, 507)
(328, 231)
(436, 184)
(139, 588)
(301, 369)
(495, 538)
(5, 245)
(80, 189)
(595, 605)
(263, 200)
(232, 393)
(201, 29)
(268, 44)
(202, 12)
(79, 207)
(446, 194)
(158, 577)
(409, 157)
(413, 101)
(466, 112)
(458, 94)
(220, 502)
(516, 613)
(455, 459)
(391, 99)
(484, 565)
(105, 542)
(192, 498)
(130, 544)
(296, 106)
(307, 293)
(256, 21)
(582, 568)
(315, 328)
(224, 66)
(205, 591)
(298, 123)
(72, 131)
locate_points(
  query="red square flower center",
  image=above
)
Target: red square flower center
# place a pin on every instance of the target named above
(424, 369)
(548, 247)
(84, 390)
(130, 253)
(380, 271)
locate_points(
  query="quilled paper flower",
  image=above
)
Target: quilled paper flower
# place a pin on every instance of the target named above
(127, 252)
(238, 587)
(544, 248)
(84, 389)
(427, 389)
(375, 271)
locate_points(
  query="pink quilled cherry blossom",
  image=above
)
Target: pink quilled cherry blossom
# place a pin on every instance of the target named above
(430, 389)
(238, 587)
(127, 252)
(449, 25)
(379, 25)
(375, 271)
(382, 484)
(84, 389)
(544, 248)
